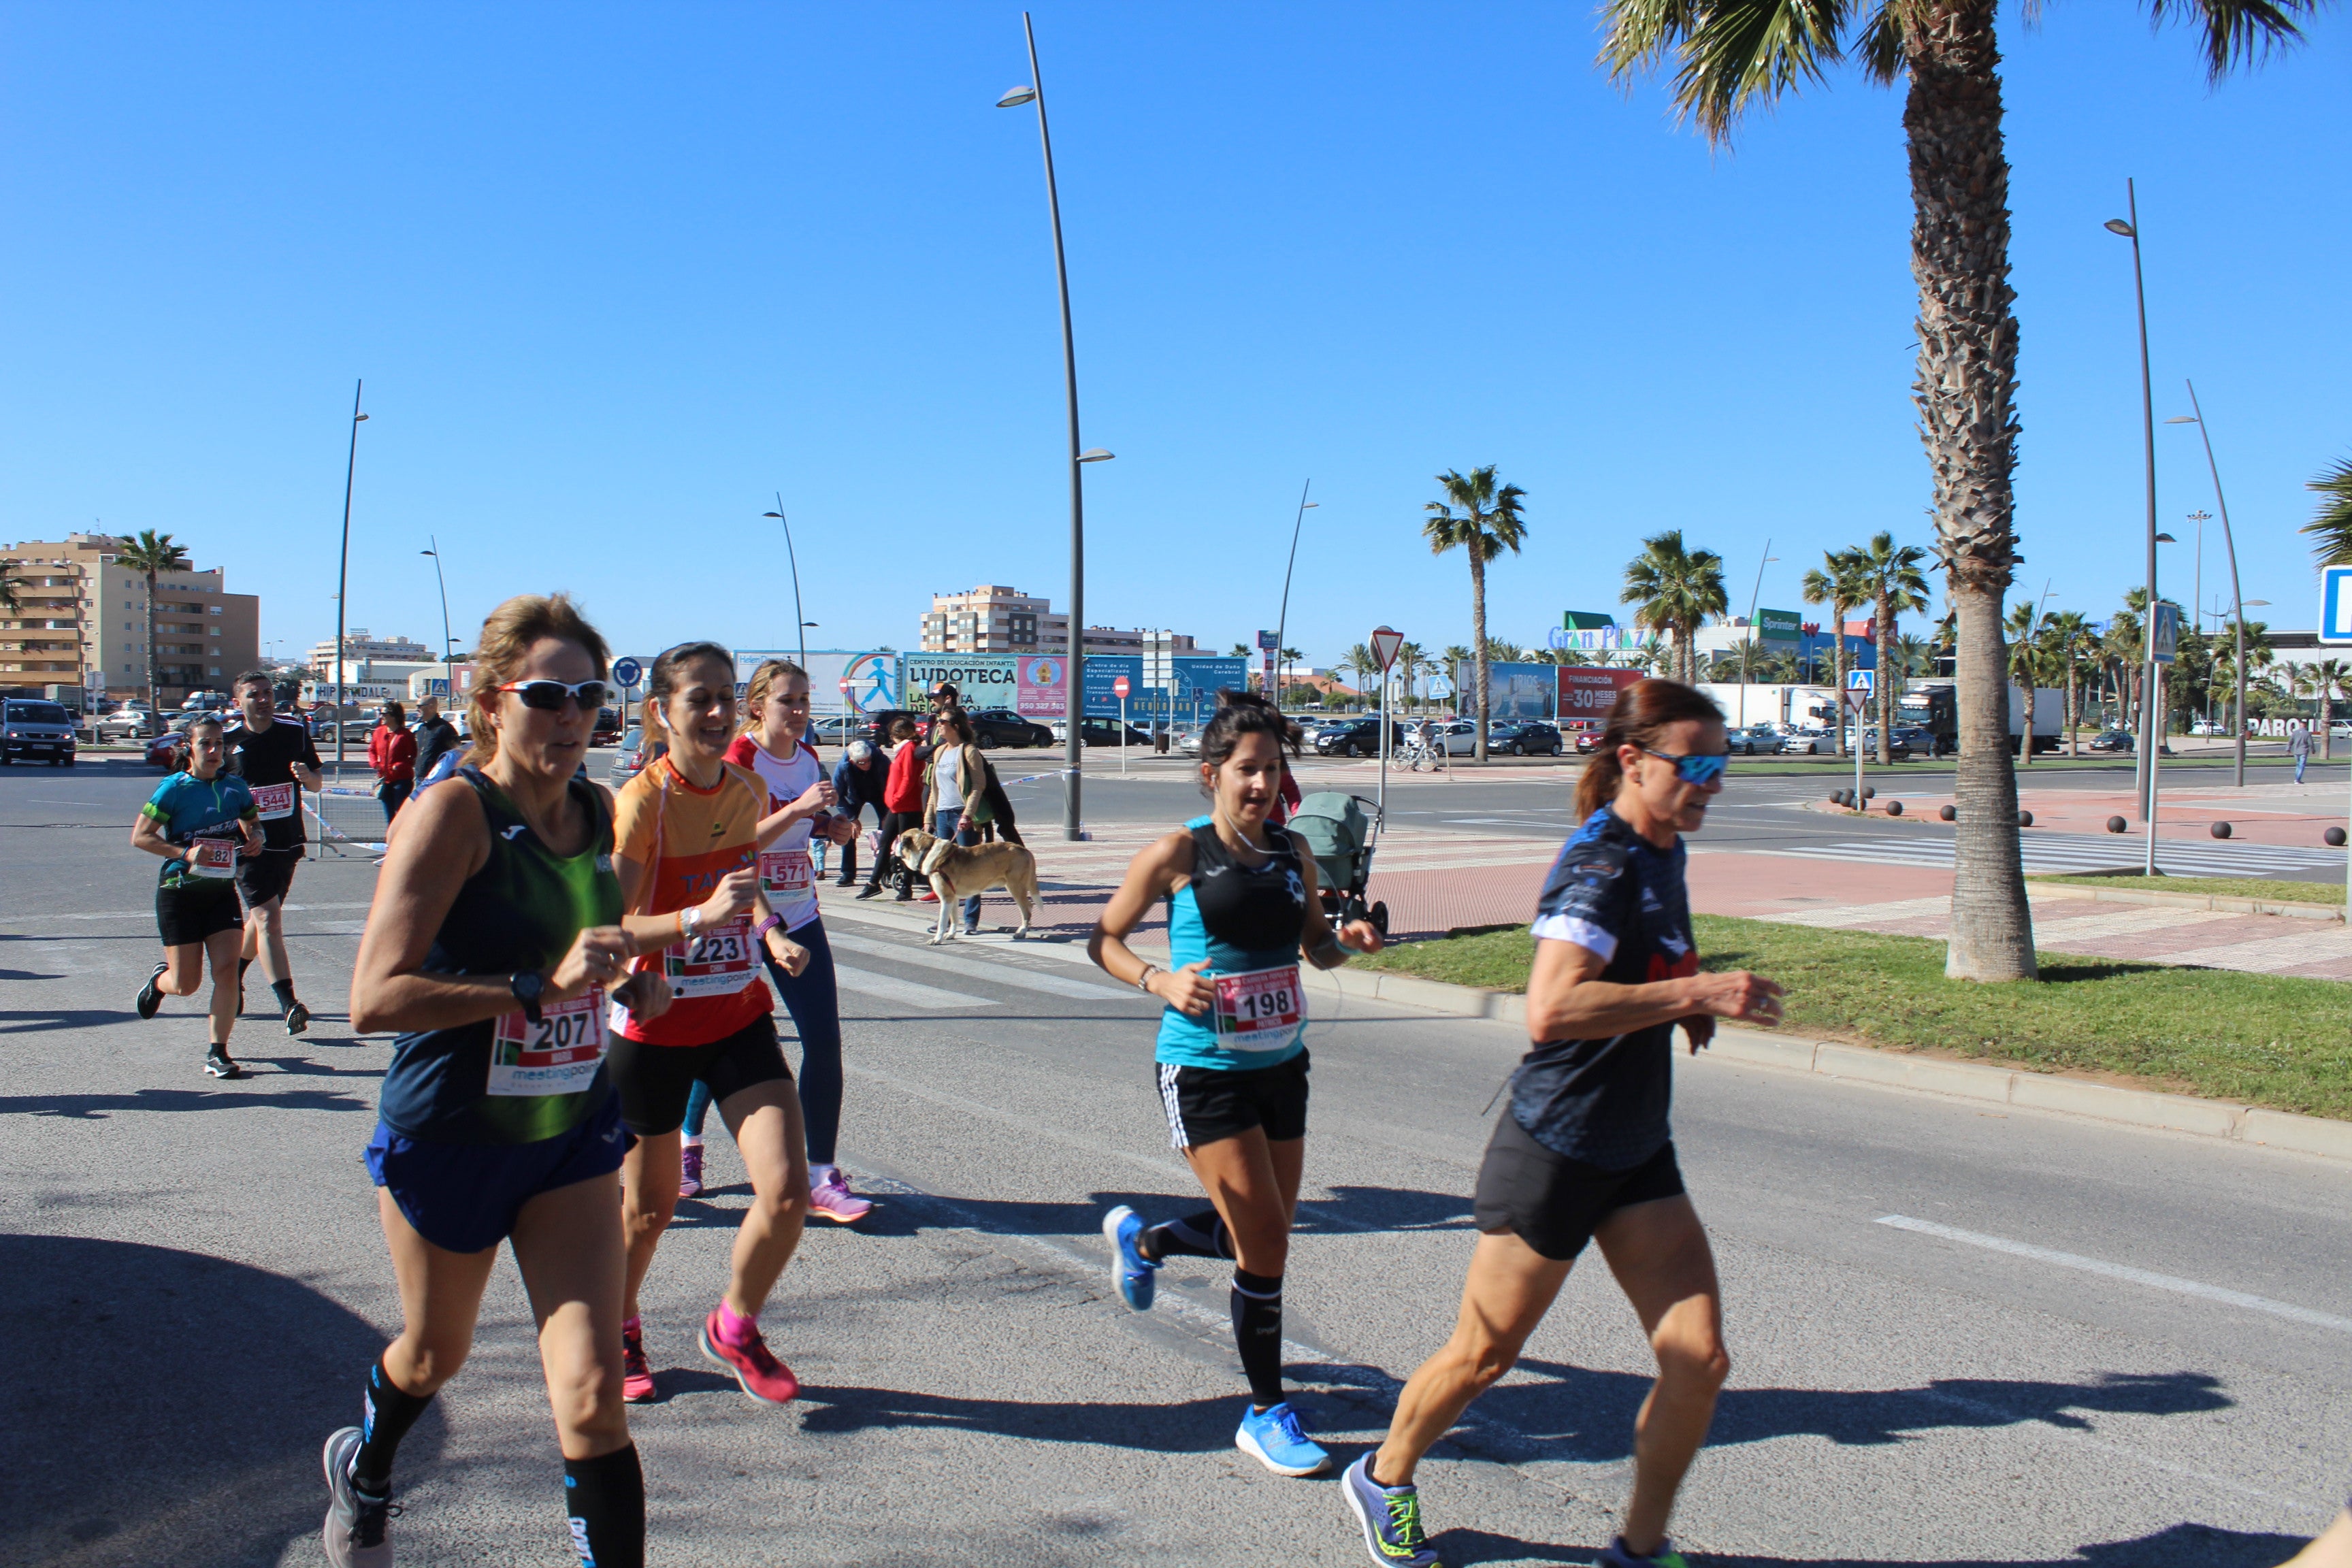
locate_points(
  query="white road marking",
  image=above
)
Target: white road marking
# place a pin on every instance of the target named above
(906, 992)
(982, 969)
(2121, 1271)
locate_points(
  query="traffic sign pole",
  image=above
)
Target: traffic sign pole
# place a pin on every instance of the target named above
(1385, 640)
(1120, 687)
(2335, 629)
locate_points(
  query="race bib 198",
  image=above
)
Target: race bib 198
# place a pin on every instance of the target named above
(716, 962)
(275, 801)
(1260, 1010)
(212, 858)
(787, 873)
(558, 1055)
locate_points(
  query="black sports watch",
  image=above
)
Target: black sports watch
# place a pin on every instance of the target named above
(528, 984)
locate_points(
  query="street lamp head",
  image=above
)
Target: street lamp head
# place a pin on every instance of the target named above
(2183, 419)
(777, 515)
(428, 553)
(1017, 97)
(1094, 455)
(358, 419)
(2165, 539)
(2117, 225)
(2252, 603)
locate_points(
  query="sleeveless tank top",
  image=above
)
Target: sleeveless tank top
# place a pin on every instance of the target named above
(1246, 922)
(503, 1081)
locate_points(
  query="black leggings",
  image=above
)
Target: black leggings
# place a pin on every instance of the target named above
(894, 824)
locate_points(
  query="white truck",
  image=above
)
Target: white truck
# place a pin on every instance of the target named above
(1935, 707)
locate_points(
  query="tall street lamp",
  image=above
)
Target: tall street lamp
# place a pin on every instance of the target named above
(448, 668)
(2128, 226)
(789, 555)
(2197, 419)
(343, 569)
(1748, 642)
(1282, 621)
(1074, 687)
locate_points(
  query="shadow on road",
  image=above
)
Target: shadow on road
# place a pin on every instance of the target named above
(2180, 1546)
(1348, 1209)
(164, 1407)
(95, 1107)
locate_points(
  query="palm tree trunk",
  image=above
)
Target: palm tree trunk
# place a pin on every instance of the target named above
(154, 682)
(1837, 672)
(1884, 626)
(1479, 645)
(1964, 394)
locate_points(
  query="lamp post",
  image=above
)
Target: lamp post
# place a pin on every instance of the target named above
(1748, 643)
(448, 671)
(2197, 417)
(344, 569)
(2128, 226)
(1282, 621)
(793, 559)
(1073, 688)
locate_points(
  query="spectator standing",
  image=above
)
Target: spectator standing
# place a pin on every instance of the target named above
(392, 752)
(902, 799)
(435, 735)
(2298, 746)
(955, 785)
(857, 782)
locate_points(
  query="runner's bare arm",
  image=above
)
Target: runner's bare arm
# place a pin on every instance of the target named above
(1567, 1000)
(732, 897)
(1162, 868)
(147, 834)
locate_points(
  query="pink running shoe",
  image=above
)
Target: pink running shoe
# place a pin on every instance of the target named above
(689, 1171)
(763, 1377)
(636, 1373)
(832, 1199)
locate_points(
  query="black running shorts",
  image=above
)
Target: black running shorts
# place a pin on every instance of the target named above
(190, 913)
(267, 876)
(655, 1081)
(1553, 1203)
(1204, 1104)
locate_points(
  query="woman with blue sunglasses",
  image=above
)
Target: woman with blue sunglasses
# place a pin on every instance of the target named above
(1583, 1151)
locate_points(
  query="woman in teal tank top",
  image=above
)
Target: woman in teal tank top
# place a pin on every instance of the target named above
(1231, 1068)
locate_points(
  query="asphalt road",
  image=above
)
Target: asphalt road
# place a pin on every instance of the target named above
(192, 1282)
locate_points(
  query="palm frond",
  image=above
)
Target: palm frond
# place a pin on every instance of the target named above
(2333, 527)
(1729, 54)
(2236, 32)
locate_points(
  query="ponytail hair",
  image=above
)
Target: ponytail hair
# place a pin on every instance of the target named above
(1640, 713)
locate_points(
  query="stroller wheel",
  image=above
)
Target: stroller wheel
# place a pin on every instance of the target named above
(1381, 919)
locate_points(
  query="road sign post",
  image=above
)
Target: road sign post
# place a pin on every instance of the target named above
(1857, 697)
(1120, 689)
(627, 673)
(2334, 628)
(1385, 640)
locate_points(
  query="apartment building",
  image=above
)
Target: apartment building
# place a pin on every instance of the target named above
(992, 618)
(81, 622)
(360, 647)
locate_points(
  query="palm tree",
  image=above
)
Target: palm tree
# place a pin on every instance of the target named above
(1837, 582)
(2333, 526)
(1913, 655)
(1895, 585)
(2073, 645)
(1482, 519)
(152, 552)
(1409, 658)
(2330, 675)
(2027, 659)
(1673, 590)
(7, 587)
(1456, 656)
(1731, 56)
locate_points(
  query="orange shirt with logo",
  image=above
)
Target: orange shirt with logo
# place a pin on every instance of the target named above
(688, 839)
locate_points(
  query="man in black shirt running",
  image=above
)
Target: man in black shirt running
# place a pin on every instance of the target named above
(276, 761)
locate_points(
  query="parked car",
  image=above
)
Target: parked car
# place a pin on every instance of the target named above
(837, 730)
(1918, 740)
(2207, 726)
(36, 730)
(1756, 741)
(608, 727)
(2111, 741)
(994, 727)
(128, 723)
(1524, 738)
(633, 757)
(1357, 737)
(1897, 748)
(1588, 742)
(1803, 742)
(1105, 733)
(164, 750)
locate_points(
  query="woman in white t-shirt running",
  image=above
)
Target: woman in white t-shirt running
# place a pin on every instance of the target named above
(799, 803)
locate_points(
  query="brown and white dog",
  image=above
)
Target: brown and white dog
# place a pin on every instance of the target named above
(956, 872)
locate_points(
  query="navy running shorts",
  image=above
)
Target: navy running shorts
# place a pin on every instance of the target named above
(465, 1197)
(1553, 1203)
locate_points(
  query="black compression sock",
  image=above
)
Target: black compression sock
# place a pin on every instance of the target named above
(242, 965)
(604, 1499)
(1257, 1333)
(386, 1414)
(284, 991)
(1203, 1235)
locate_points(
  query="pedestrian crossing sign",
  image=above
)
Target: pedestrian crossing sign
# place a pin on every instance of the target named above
(2336, 604)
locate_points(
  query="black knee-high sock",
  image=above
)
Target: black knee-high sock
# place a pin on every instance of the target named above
(284, 991)
(386, 1414)
(605, 1499)
(1203, 1235)
(1257, 1333)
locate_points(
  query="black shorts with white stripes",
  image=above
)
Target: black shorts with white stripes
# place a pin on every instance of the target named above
(1204, 1104)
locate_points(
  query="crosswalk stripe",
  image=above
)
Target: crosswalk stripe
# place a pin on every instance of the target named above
(982, 969)
(905, 993)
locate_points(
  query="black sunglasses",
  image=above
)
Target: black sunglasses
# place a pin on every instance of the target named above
(547, 696)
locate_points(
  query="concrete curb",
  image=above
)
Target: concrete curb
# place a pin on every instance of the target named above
(1983, 1082)
(2184, 900)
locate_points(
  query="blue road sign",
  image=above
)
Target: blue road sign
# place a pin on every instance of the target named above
(2336, 604)
(627, 672)
(1861, 680)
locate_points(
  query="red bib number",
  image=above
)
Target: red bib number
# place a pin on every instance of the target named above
(1260, 1010)
(275, 801)
(212, 858)
(719, 962)
(558, 1055)
(787, 873)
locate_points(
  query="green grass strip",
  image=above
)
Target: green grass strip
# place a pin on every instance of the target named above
(2256, 1039)
(2269, 888)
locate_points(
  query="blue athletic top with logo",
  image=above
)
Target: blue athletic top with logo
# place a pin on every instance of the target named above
(188, 809)
(1241, 919)
(1621, 898)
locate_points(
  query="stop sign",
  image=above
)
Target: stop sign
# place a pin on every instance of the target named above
(846, 684)
(1120, 689)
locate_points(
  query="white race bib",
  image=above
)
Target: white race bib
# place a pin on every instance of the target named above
(715, 962)
(787, 874)
(212, 858)
(558, 1055)
(276, 800)
(1260, 1010)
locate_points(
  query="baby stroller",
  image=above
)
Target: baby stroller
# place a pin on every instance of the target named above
(1340, 838)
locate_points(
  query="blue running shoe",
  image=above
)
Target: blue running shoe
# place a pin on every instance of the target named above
(1390, 1517)
(1619, 1556)
(1134, 1274)
(1273, 1437)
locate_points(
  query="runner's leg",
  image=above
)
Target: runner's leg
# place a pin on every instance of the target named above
(1254, 1185)
(187, 972)
(765, 1119)
(814, 999)
(221, 948)
(689, 1152)
(1658, 1251)
(649, 1199)
(440, 1297)
(573, 1264)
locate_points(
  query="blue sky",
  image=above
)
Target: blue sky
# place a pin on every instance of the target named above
(614, 275)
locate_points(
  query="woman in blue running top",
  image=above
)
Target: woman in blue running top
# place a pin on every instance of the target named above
(1231, 1063)
(200, 820)
(1582, 1152)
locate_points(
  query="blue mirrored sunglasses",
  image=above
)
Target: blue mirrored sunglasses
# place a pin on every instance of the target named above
(1700, 770)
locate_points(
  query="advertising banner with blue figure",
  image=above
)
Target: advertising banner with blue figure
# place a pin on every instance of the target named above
(873, 677)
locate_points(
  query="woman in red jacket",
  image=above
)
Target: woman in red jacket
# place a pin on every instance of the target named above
(902, 799)
(392, 752)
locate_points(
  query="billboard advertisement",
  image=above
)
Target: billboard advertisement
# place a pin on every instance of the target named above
(982, 679)
(1102, 669)
(1514, 690)
(873, 677)
(1588, 693)
(1041, 687)
(1637, 640)
(1779, 625)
